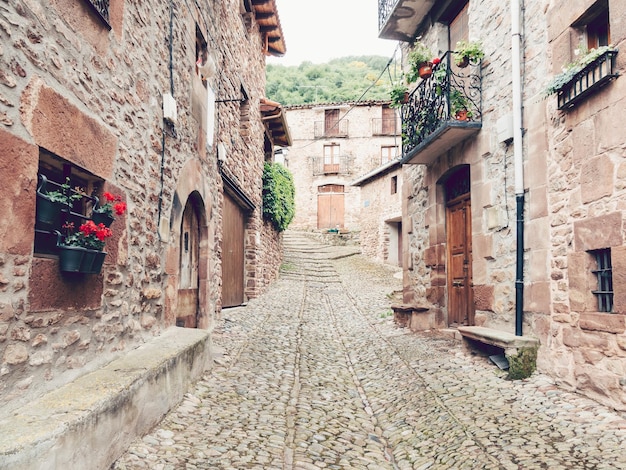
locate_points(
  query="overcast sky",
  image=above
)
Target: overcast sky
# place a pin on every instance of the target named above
(325, 29)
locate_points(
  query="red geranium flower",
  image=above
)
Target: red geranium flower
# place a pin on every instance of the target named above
(436, 60)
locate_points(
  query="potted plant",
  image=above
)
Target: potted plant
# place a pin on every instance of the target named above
(82, 251)
(420, 62)
(466, 52)
(585, 57)
(105, 214)
(399, 95)
(459, 105)
(49, 204)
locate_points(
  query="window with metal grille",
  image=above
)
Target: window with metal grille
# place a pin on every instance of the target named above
(604, 274)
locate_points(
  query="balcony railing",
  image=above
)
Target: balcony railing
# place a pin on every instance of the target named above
(442, 110)
(593, 76)
(399, 19)
(385, 8)
(324, 130)
(384, 126)
(341, 165)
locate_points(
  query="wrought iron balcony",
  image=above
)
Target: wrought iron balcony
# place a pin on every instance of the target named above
(593, 76)
(323, 129)
(442, 111)
(385, 126)
(341, 165)
(399, 19)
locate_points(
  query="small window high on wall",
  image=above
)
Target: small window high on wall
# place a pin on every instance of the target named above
(593, 27)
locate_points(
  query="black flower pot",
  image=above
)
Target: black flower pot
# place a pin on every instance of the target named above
(98, 261)
(102, 218)
(48, 213)
(71, 258)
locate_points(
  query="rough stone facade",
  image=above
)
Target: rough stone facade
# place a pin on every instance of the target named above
(360, 141)
(573, 179)
(93, 97)
(381, 214)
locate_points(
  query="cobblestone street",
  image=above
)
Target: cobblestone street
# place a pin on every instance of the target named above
(315, 374)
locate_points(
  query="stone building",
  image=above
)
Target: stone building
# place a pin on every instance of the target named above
(333, 145)
(162, 105)
(380, 218)
(513, 217)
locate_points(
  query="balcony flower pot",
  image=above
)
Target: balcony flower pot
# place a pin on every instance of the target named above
(71, 258)
(420, 62)
(105, 213)
(50, 204)
(466, 52)
(82, 251)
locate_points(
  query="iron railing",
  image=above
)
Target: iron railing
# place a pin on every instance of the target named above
(590, 78)
(440, 100)
(385, 126)
(385, 8)
(341, 165)
(336, 129)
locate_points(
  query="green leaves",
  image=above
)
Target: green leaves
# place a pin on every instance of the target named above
(278, 195)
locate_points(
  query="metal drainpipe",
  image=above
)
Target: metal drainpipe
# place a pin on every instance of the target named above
(519, 161)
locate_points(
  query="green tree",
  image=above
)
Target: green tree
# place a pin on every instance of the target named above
(278, 195)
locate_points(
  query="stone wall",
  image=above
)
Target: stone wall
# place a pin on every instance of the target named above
(381, 211)
(93, 96)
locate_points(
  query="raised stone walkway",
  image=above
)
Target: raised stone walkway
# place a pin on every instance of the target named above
(315, 375)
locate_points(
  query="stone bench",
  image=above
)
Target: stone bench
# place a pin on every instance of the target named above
(90, 422)
(520, 351)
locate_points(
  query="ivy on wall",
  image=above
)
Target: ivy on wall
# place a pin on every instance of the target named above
(278, 195)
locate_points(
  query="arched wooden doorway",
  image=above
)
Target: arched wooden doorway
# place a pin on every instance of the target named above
(188, 298)
(459, 247)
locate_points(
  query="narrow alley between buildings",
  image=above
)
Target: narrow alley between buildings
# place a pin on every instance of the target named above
(315, 374)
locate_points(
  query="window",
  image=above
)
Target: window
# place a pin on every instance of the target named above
(394, 184)
(604, 274)
(388, 153)
(331, 158)
(82, 184)
(593, 26)
(201, 54)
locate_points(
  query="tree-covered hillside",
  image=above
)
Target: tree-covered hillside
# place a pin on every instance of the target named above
(343, 79)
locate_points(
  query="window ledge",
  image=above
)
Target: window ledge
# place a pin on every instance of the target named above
(588, 80)
(601, 321)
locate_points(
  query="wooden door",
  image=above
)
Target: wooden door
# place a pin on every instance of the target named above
(389, 124)
(400, 244)
(330, 206)
(459, 241)
(187, 307)
(232, 254)
(331, 122)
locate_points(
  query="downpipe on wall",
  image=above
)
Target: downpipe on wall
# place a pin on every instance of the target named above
(518, 161)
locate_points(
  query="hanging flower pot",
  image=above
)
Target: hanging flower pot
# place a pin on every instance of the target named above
(98, 261)
(88, 260)
(71, 258)
(425, 70)
(102, 218)
(48, 213)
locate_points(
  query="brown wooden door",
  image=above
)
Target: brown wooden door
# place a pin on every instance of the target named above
(390, 119)
(331, 122)
(187, 307)
(232, 254)
(459, 231)
(400, 244)
(330, 206)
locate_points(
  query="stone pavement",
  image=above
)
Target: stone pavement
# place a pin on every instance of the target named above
(315, 375)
